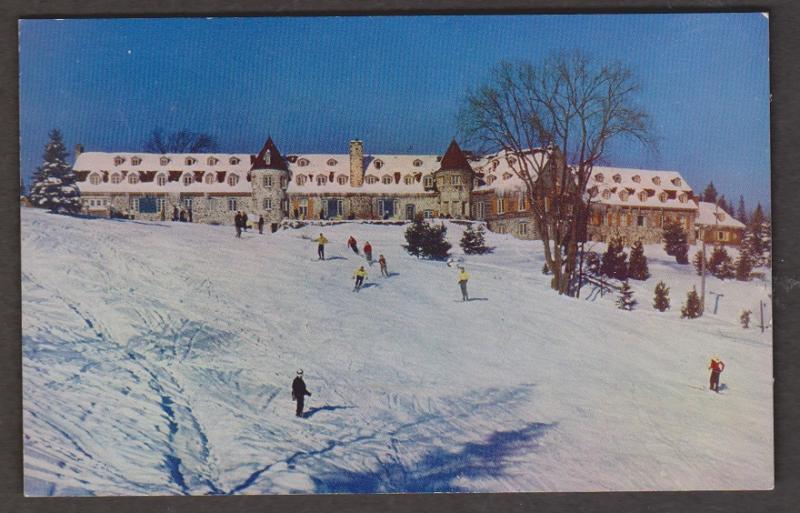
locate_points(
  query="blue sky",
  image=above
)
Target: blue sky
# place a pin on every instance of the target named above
(313, 83)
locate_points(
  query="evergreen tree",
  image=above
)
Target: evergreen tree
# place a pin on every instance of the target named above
(614, 263)
(473, 241)
(661, 298)
(424, 240)
(744, 319)
(710, 193)
(675, 241)
(722, 203)
(54, 182)
(720, 264)
(625, 300)
(637, 262)
(743, 267)
(697, 261)
(741, 212)
(691, 309)
(415, 235)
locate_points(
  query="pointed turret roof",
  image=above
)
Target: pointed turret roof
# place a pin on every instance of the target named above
(276, 161)
(454, 158)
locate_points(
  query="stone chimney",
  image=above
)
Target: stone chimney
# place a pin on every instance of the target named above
(78, 150)
(356, 163)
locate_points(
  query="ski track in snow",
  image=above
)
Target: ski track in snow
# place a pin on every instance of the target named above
(158, 357)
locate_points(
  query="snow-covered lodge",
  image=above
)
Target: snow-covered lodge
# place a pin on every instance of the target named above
(631, 203)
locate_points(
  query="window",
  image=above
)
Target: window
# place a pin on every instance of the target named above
(135, 161)
(371, 179)
(722, 236)
(332, 162)
(302, 162)
(211, 203)
(133, 178)
(408, 179)
(501, 228)
(212, 161)
(234, 161)
(133, 204)
(285, 205)
(490, 179)
(521, 200)
(636, 178)
(606, 194)
(116, 178)
(683, 197)
(187, 179)
(303, 208)
(427, 214)
(209, 178)
(640, 220)
(455, 180)
(506, 176)
(662, 197)
(501, 205)
(233, 179)
(94, 179)
(187, 203)
(480, 210)
(118, 161)
(322, 180)
(617, 178)
(417, 163)
(387, 179)
(161, 204)
(341, 179)
(598, 177)
(268, 182)
(284, 182)
(428, 181)
(623, 194)
(161, 180)
(268, 157)
(643, 196)
(190, 161)
(232, 205)
(301, 179)
(378, 164)
(657, 180)
(163, 161)
(523, 229)
(676, 181)
(267, 203)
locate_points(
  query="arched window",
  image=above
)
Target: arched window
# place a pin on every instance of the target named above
(683, 197)
(116, 178)
(302, 162)
(657, 180)
(342, 179)
(233, 179)
(408, 179)
(188, 179)
(190, 161)
(118, 161)
(617, 178)
(301, 179)
(133, 178)
(387, 179)
(662, 197)
(161, 179)
(417, 163)
(94, 179)
(636, 178)
(234, 161)
(332, 162)
(378, 163)
(643, 196)
(163, 161)
(322, 180)
(135, 161)
(623, 194)
(606, 194)
(212, 161)
(676, 182)
(598, 177)
(209, 178)
(371, 179)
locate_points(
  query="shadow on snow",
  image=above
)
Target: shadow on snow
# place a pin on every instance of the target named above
(327, 407)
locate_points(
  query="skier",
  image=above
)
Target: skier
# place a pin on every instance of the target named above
(368, 252)
(321, 240)
(299, 392)
(382, 262)
(463, 278)
(261, 225)
(353, 244)
(359, 275)
(237, 220)
(716, 366)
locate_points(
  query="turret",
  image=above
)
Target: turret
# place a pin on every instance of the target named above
(454, 182)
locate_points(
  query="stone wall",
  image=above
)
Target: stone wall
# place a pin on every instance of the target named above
(276, 192)
(635, 223)
(363, 205)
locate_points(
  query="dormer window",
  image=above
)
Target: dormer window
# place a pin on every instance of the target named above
(512, 161)
(135, 161)
(187, 179)
(386, 179)
(322, 180)
(302, 162)
(116, 178)
(234, 161)
(190, 161)
(212, 161)
(342, 179)
(683, 197)
(378, 164)
(606, 194)
(417, 163)
(233, 179)
(636, 178)
(94, 179)
(332, 162)
(163, 161)
(676, 182)
(408, 179)
(209, 178)
(427, 181)
(161, 180)
(623, 194)
(490, 179)
(662, 197)
(617, 178)
(720, 216)
(657, 180)
(118, 161)
(133, 178)
(371, 179)
(598, 177)
(643, 196)
(506, 176)
(301, 179)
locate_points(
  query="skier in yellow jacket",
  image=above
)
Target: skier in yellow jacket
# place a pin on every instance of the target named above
(321, 240)
(463, 278)
(359, 275)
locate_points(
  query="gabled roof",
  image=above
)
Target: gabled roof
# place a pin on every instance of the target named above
(711, 215)
(276, 161)
(454, 158)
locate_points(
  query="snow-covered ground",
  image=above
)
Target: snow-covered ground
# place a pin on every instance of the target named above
(158, 358)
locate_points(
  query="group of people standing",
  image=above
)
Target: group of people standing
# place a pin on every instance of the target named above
(240, 221)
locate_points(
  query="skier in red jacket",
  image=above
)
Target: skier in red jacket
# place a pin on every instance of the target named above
(368, 252)
(716, 366)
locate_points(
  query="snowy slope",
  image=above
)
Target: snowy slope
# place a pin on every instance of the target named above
(158, 358)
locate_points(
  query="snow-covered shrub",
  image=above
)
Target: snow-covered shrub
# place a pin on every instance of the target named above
(473, 242)
(691, 309)
(637, 262)
(593, 263)
(426, 240)
(625, 301)
(720, 264)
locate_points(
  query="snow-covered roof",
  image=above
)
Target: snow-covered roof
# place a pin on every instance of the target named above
(640, 187)
(498, 171)
(711, 215)
(175, 167)
(405, 173)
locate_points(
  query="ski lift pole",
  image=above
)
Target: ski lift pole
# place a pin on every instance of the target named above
(761, 311)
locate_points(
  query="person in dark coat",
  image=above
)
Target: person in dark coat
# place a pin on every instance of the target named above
(368, 252)
(353, 244)
(237, 220)
(299, 392)
(382, 262)
(175, 214)
(716, 366)
(261, 225)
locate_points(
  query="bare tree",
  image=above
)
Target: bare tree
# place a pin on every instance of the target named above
(553, 121)
(182, 141)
